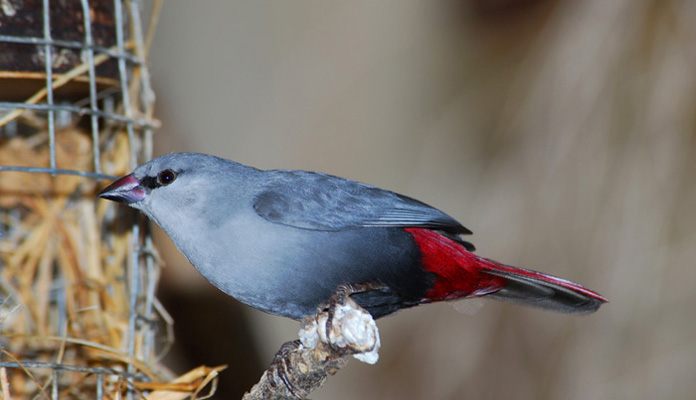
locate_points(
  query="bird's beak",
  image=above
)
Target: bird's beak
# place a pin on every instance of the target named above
(124, 190)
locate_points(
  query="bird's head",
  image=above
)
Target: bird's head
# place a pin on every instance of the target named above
(176, 183)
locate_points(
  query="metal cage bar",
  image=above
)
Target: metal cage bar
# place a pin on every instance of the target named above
(142, 270)
(89, 42)
(70, 45)
(140, 122)
(48, 61)
(134, 278)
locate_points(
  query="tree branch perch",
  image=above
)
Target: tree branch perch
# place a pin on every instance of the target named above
(326, 341)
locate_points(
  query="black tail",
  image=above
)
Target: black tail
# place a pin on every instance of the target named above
(540, 290)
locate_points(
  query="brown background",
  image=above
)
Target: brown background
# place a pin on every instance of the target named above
(561, 132)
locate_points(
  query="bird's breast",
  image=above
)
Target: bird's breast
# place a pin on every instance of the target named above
(290, 271)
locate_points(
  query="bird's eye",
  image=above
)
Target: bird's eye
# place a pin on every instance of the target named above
(166, 177)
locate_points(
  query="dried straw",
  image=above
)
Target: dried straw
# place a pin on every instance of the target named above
(64, 284)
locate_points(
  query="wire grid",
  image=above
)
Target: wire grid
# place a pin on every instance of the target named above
(118, 111)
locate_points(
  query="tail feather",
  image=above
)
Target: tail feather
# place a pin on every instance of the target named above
(540, 290)
(460, 273)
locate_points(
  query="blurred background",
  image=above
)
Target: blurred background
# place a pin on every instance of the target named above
(561, 132)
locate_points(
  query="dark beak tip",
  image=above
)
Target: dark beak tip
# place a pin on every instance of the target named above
(107, 196)
(126, 190)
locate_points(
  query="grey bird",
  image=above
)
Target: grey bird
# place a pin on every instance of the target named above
(283, 241)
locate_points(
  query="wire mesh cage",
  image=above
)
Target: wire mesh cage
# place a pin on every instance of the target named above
(78, 312)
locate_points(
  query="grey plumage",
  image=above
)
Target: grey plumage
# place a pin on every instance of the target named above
(284, 241)
(275, 242)
(318, 201)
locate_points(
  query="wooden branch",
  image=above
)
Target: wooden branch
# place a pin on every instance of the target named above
(326, 341)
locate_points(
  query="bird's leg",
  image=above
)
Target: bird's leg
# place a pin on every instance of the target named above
(285, 349)
(281, 366)
(339, 298)
(295, 372)
(301, 366)
(346, 290)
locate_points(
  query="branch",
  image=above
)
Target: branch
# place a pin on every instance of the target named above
(326, 341)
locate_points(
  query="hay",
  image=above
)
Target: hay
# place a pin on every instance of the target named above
(69, 326)
(63, 284)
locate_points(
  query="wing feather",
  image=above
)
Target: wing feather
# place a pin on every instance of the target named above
(318, 201)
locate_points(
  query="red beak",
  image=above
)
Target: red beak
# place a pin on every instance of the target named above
(124, 190)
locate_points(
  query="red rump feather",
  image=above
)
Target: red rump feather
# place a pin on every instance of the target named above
(460, 273)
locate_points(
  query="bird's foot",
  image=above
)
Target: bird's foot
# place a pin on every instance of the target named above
(281, 368)
(341, 296)
(345, 327)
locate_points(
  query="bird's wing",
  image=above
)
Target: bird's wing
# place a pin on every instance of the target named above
(317, 201)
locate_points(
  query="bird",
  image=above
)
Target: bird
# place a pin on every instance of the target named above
(284, 241)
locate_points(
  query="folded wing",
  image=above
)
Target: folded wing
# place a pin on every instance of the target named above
(315, 201)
